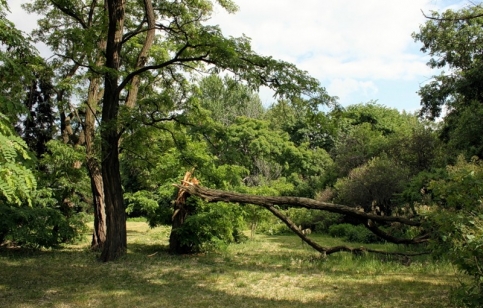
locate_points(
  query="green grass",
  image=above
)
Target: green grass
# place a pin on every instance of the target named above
(268, 271)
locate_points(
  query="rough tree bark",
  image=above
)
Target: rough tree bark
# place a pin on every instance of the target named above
(99, 233)
(86, 136)
(213, 195)
(116, 240)
(179, 216)
(143, 54)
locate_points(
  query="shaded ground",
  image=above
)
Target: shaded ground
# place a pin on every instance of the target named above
(265, 272)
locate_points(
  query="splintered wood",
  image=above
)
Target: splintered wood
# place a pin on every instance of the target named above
(182, 194)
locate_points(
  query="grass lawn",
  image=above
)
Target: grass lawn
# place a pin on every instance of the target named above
(267, 271)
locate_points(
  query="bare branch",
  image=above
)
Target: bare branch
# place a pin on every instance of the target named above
(452, 19)
(143, 54)
(384, 235)
(269, 203)
(213, 195)
(174, 60)
(70, 13)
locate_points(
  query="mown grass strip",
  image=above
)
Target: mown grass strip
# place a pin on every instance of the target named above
(268, 271)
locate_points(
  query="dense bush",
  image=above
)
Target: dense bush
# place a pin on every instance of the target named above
(17, 181)
(37, 227)
(32, 217)
(275, 228)
(352, 233)
(456, 216)
(325, 220)
(210, 226)
(339, 230)
(372, 186)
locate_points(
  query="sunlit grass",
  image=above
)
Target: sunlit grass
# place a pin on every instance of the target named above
(268, 271)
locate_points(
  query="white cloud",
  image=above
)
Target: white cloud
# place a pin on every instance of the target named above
(349, 45)
(23, 21)
(347, 87)
(344, 30)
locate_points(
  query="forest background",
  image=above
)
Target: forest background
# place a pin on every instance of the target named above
(138, 93)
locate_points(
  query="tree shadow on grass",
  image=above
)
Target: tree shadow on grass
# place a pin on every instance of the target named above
(144, 249)
(74, 278)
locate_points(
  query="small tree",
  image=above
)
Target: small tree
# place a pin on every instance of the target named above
(373, 185)
(17, 181)
(457, 218)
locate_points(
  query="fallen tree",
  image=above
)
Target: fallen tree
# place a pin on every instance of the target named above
(270, 203)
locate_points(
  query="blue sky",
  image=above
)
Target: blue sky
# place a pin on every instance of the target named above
(359, 50)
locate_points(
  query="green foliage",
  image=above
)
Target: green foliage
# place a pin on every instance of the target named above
(255, 216)
(155, 206)
(352, 233)
(275, 227)
(370, 130)
(463, 132)
(317, 221)
(458, 224)
(140, 203)
(269, 155)
(417, 190)
(357, 145)
(381, 119)
(304, 123)
(453, 40)
(63, 173)
(228, 99)
(420, 149)
(17, 181)
(340, 230)
(213, 225)
(373, 185)
(36, 227)
(18, 64)
(48, 220)
(324, 220)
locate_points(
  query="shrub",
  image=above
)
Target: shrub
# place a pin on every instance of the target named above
(351, 233)
(457, 221)
(375, 182)
(211, 226)
(325, 220)
(274, 228)
(341, 230)
(360, 234)
(36, 227)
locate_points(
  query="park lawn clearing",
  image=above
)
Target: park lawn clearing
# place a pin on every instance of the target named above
(267, 271)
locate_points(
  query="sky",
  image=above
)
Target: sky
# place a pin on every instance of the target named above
(359, 50)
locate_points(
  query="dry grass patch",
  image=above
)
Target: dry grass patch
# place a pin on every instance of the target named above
(264, 272)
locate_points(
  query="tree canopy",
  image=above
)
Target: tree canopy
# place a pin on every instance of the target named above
(139, 92)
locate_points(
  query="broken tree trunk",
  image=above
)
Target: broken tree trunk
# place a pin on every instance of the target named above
(268, 202)
(181, 211)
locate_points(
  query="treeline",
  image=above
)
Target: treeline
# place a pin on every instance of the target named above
(84, 136)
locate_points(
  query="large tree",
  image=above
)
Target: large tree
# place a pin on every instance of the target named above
(454, 40)
(149, 49)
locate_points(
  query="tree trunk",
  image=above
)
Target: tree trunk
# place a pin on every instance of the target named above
(213, 195)
(181, 211)
(116, 240)
(143, 54)
(175, 243)
(93, 95)
(99, 233)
